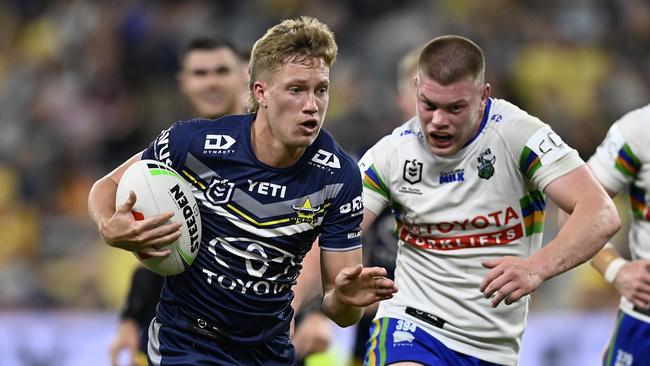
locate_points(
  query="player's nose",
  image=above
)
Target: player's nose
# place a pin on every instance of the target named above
(310, 105)
(439, 118)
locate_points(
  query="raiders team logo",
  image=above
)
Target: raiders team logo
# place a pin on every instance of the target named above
(486, 164)
(412, 171)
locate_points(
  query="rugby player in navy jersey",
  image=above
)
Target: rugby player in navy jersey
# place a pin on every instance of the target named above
(267, 184)
(212, 77)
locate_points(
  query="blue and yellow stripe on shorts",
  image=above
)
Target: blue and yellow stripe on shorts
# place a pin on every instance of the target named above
(377, 351)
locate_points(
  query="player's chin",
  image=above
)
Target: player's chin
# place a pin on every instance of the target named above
(443, 149)
(303, 140)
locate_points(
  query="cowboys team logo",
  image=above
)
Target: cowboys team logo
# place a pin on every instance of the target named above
(486, 164)
(412, 171)
(219, 191)
(306, 213)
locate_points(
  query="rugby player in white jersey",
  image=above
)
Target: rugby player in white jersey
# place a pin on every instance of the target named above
(468, 179)
(622, 162)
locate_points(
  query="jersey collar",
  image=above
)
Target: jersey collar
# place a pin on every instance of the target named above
(486, 113)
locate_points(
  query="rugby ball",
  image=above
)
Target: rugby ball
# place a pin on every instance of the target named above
(158, 189)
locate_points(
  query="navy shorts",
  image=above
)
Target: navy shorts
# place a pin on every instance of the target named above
(396, 340)
(630, 344)
(170, 345)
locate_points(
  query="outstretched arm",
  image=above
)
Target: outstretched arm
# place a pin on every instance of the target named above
(592, 221)
(349, 286)
(118, 227)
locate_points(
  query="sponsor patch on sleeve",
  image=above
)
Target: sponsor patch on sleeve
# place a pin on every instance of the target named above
(543, 148)
(547, 145)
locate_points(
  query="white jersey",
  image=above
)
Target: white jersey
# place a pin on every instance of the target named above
(452, 213)
(622, 161)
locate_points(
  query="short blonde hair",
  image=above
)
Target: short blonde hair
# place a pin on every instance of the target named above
(289, 41)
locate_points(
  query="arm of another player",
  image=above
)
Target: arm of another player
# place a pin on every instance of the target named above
(126, 338)
(592, 222)
(118, 227)
(313, 335)
(139, 309)
(631, 278)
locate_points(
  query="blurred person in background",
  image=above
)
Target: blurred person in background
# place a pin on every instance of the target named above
(485, 167)
(281, 141)
(379, 242)
(406, 98)
(213, 78)
(622, 161)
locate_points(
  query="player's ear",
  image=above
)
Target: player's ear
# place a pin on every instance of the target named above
(485, 94)
(259, 93)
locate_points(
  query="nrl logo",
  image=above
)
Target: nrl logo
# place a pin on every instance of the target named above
(412, 171)
(219, 191)
(306, 213)
(486, 164)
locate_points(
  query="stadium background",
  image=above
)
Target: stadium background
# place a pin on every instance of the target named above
(84, 84)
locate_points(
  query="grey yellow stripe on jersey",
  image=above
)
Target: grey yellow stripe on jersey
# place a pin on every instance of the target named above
(288, 216)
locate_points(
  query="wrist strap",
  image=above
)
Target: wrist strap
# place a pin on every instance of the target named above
(612, 269)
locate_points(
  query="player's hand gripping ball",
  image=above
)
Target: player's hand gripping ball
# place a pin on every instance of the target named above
(158, 188)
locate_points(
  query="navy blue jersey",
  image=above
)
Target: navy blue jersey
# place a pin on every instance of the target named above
(258, 223)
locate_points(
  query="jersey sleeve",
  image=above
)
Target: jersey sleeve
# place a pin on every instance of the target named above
(374, 166)
(615, 163)
(543, 156)
(169, 147)
(341, 228)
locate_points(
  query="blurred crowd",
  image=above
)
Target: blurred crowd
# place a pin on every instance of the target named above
(84, 83)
